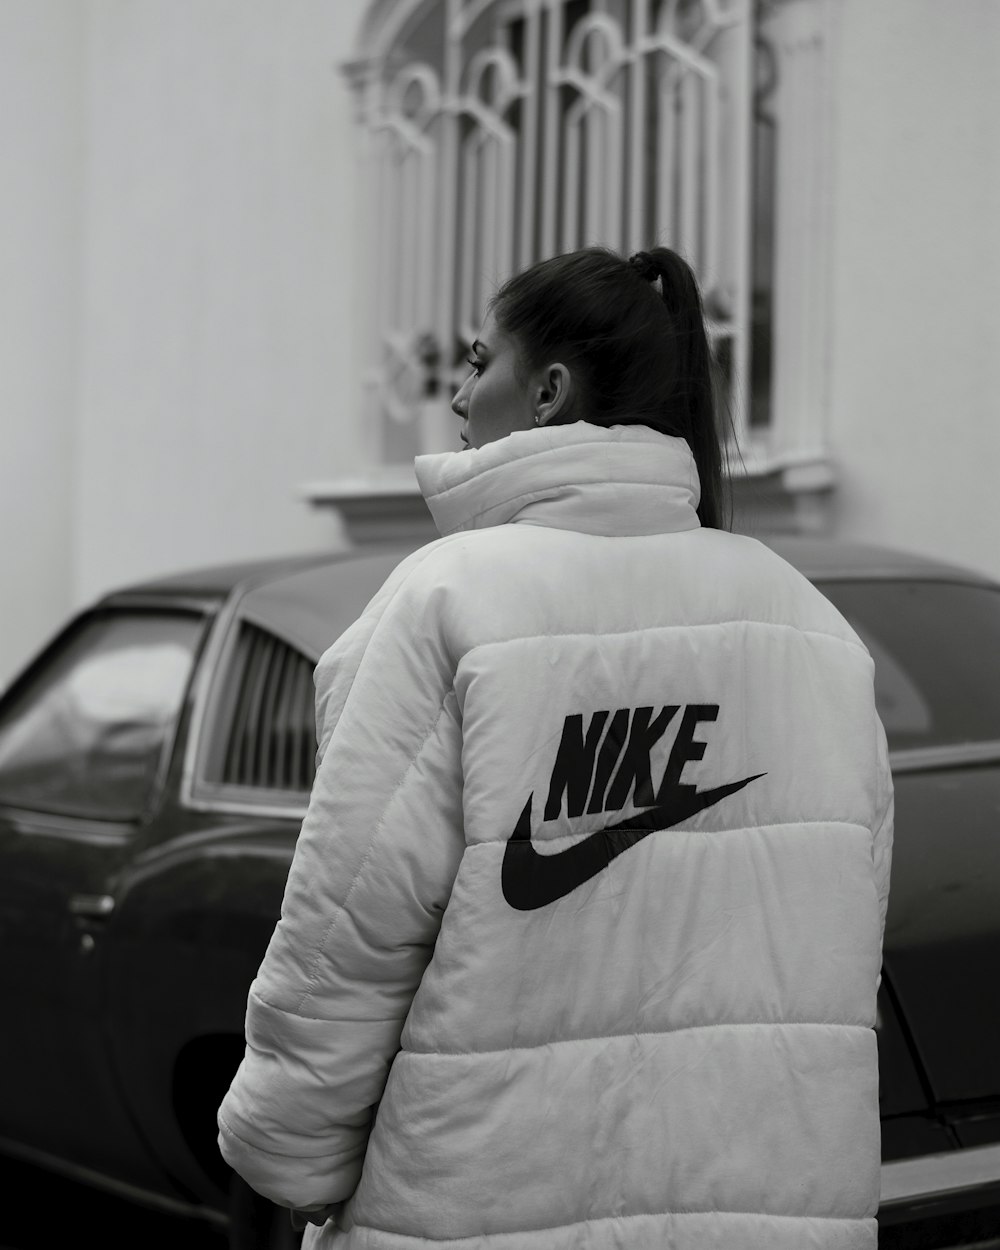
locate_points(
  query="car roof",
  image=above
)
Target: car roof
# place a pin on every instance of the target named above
(815, 557)
(311, 607)
(826, 559)
(811, 555)
(222, 579)
(311, 599)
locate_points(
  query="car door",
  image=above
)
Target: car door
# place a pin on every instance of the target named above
(936, 647)
(86, 735)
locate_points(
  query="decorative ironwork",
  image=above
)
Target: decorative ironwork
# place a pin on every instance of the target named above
(502, 131)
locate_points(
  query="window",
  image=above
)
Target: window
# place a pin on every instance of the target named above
(500, 132)
(936, 647)
(266, 722)
(85, 732)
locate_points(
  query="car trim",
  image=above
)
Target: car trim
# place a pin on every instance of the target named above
(201, 690)
(227, 808)
(958, 755)
(194, 793)
(126, 600)
(906, 1179)
(233, 807)
(170, 744)
(121, 1189)
(233, 844)
(60, 825)
(206, 844)
(888, 571)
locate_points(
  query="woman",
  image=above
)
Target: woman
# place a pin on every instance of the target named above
(581, 941)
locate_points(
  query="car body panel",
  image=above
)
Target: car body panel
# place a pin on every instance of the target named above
(942, 942)
(57, 897)
(60, 1094)
(193, 920)
(311, 608)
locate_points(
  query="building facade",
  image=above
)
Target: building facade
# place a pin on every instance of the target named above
(492, 135)
(246, 243)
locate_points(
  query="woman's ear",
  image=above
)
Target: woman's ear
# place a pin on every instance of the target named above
(553, 393)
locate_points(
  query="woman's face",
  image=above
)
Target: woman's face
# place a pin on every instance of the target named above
(497, 397)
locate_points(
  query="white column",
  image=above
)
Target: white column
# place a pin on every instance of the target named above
(363, 77)
(800, 33)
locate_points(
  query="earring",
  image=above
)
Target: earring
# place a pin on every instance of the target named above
(537, 422)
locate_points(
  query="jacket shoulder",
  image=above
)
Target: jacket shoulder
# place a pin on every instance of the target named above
(705, 576)
(780, 592)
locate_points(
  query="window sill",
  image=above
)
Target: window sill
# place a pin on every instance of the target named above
(785, 493)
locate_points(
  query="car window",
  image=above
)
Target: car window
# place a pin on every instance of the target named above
(83, 733)
(936, 647)
(265, 722)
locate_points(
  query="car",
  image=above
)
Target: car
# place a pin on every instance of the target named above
(156, 759)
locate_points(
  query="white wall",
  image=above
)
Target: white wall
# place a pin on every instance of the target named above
(178, 251)
(216, 333)
(915, 412)
(41, 145)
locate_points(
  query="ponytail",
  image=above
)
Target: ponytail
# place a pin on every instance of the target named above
(678, 288)
(633, 333)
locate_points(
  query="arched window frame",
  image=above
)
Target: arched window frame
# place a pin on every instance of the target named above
(775, 293)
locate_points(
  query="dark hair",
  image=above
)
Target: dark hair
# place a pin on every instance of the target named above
(639, 358)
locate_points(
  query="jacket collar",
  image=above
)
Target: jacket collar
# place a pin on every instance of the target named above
(626, 479)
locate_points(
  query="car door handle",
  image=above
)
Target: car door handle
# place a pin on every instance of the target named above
(88, 908)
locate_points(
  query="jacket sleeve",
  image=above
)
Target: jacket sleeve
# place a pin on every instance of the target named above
(371, 875)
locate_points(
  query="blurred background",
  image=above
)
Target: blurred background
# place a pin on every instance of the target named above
(244, 246)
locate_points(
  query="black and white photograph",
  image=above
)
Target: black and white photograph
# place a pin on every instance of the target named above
(500, 624)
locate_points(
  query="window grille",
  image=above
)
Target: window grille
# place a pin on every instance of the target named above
(498, 132)
(270, 742)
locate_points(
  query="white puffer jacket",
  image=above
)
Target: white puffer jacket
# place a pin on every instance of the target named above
(581, 940)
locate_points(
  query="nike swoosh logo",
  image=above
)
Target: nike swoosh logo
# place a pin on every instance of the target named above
(530, 880)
